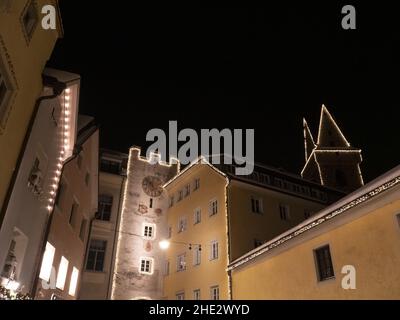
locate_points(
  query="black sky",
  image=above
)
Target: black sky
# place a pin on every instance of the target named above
(262, 68)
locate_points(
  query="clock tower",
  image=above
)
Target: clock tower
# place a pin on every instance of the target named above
(139, 263)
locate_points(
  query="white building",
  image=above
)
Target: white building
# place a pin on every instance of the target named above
(49, 144)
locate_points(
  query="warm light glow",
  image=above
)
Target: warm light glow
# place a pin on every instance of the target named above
(67, 98)
(12, 285)
(164, 244)
(49, 208)
(47, 262)
(68, 90)
(74, 282)
(62, 273)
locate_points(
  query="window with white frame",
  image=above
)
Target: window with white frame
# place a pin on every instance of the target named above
(62, 273)
(196, 294)
(214, 250)
(196, 255)
(196, 184)
(214, 293)
(105, 207)
(181, 262)
(213, 207)
(284, 212)
(149, 231)
(197, 216)
(180, 296)
(96, 255)
(187, 190)
(146, 265)
(182, 224)
(256, 205)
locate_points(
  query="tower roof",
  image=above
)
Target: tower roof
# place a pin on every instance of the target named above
(329, 133)
(309, 143)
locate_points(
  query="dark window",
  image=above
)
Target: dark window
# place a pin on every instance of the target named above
(74, 211)
(307, 214)
(256, 205)
(82, 231)
(60, 192)
(87, 178)
(340, 178)
(30, 19)
(257, 243)
(97, 250)
(105, 205)
(110, 166)
(151, 203)
(324, 263)
(284, 212)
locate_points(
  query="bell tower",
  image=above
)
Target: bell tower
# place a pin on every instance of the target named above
(331, 161)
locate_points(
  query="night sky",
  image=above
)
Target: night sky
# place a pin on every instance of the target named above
(262, 68)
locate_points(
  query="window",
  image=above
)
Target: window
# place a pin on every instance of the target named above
(82, 231)
(196, 294)
(181, 262)
(79, 161)
(180, 195)
(60, 192)
(214, 293)
(307, 214)
(171, 201)
(105, 206)
(169, 232)
(196, 184)
(110, 166)
(180, 296)
(213, 207)
(257, 243)
(149, 231)
(166, 268)
(197, 255)
(256, 205)
(398, 219)
(324, 263)
(62, 273)
(151, 203)
(187, 190)
(146, 265)
(284, 212)
(214, 250)
(73, 213)
(74, 282)
(97, 251)
(197, 216)
(87, 178)
(7, 91)
(182, 223)
(47, 262)
(278, 182)
(29, 20)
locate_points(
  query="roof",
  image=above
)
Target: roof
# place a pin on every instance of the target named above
(366, 193)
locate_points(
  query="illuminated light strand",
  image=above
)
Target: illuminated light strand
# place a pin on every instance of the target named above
(324, 110)
(315, 223)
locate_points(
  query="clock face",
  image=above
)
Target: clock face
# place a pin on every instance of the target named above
(152, 186)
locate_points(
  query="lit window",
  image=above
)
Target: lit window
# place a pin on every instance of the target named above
(149, 231)
(197, 255)
(146, 265)
(47, 262)
(196, 294)
(181, 262)
(29, 20)
(324, 263)
(74, 282)
(214, 250)
(196, 183)
(62, 273)
(256, 205)
(197, 216)
(213, 207)
(214, 293)
(284, 212)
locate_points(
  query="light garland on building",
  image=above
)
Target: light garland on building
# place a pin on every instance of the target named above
(315, 223)
(65, 146)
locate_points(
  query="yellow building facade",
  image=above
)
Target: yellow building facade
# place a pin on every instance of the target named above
(359, 237)
(228, 216)
(25, 48)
